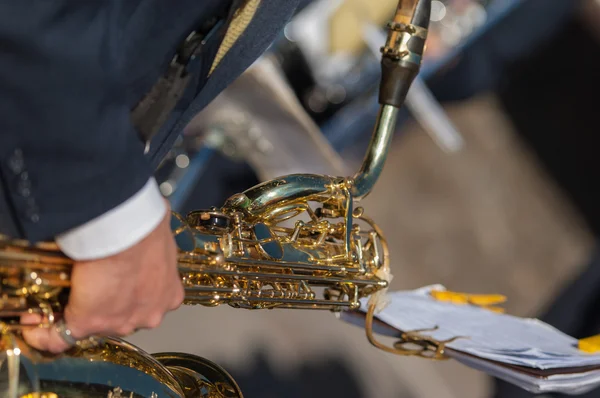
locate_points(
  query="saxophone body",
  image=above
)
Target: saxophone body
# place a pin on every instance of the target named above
(295, 242)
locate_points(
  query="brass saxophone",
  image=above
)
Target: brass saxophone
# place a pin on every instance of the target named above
(299, 241)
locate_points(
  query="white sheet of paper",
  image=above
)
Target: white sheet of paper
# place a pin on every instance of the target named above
(571, 383)
(490, 335)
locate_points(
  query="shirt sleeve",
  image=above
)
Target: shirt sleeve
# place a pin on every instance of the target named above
(118, 229)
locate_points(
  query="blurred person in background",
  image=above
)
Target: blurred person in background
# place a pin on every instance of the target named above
(92, 95)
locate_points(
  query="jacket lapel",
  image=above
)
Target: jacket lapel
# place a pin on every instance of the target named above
(257, 25)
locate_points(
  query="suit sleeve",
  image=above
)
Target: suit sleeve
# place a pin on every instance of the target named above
(68, 150)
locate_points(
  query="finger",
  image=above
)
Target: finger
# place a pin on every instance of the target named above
(38, 336)
(34, 335)
(49, 339)
(178, 293)
(52, 341)
(84, 323)
(177, 300)
(121, 325)
(152, 321)
(31, 319)
(45, 339)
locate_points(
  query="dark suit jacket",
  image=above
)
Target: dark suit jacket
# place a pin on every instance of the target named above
(70, 73)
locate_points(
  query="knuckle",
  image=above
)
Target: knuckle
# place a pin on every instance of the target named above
(179, 293)
(178, 297)
(154, 320)
(124, 329)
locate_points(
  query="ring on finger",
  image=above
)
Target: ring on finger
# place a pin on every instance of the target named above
(65, 333)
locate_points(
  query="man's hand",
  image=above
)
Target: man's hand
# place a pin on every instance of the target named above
(117, 295)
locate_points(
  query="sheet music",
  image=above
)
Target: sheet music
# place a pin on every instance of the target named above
(569, 383)
(490, 335)
(492, 341)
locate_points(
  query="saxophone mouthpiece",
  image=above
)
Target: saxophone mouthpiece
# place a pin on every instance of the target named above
(400, 64)
(403, 50)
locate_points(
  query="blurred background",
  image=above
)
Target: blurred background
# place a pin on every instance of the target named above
(491, 185)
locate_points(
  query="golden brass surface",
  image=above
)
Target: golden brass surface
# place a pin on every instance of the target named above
(294, 242)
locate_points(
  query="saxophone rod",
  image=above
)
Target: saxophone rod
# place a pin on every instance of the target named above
(400, 65)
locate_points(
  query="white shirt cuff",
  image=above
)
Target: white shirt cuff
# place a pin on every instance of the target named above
(118, 229)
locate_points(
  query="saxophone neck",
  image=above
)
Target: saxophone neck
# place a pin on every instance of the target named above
(400, 65)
